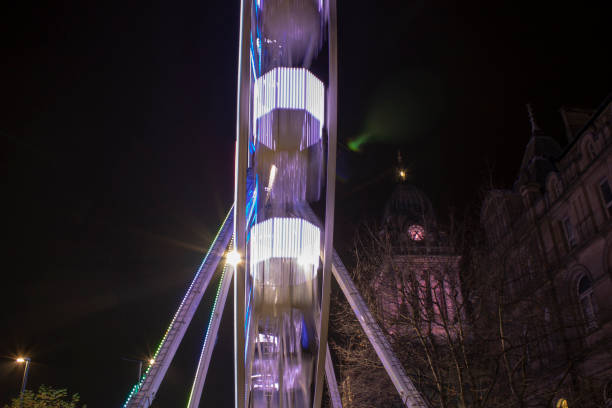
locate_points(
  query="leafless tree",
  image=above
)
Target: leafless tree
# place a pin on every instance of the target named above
(471, 329)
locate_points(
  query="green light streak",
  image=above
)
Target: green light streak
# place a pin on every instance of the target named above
(356, 143)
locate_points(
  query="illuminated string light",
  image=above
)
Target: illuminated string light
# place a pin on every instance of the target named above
(252, 57)
(251, 205)
(212, 313)
(140, 383)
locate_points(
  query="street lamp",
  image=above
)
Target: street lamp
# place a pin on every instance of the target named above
(140, 362)
(24, 381)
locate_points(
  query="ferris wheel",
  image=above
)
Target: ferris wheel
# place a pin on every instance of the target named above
(278, 253)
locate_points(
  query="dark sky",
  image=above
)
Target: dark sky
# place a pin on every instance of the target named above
(117, 130)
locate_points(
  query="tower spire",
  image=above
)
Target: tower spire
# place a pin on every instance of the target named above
(401, 174)
(534, 126)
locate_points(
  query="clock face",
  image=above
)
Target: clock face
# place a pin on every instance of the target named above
(416, 232)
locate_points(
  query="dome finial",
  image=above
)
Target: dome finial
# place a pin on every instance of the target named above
(401, 173)
(534, 126)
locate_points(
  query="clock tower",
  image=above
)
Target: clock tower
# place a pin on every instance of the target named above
(423, 270)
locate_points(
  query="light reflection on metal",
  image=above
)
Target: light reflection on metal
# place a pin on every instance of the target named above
(273, 171)
(243, 148)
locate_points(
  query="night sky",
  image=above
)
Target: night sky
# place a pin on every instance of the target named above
(117, 127)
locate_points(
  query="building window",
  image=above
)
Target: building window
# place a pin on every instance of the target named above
(591, 150)
(606, 195)
(562, 403)
(530, 269)
(548, 336)
(608, 394)
(569, 232)
(557, 187)
(527, 342)
(587, 304)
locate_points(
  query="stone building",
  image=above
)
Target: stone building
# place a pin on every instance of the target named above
(551, 234)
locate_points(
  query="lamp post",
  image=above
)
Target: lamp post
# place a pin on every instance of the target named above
(140, 362)
(24, 381)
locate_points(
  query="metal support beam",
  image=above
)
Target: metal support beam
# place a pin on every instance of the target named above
(143, 393)
(330, 197)
(407, 391)
(211, 337)
(242, 136)
(332, 383)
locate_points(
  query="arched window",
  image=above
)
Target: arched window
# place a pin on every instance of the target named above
(608, 394)
(591, 149)
(606, 195)
(557, 187)
(553, 188)
(587, 304)
(588, 147)
(570, 236)
(562, 403)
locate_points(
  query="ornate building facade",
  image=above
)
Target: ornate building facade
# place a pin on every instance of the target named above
(551, 235)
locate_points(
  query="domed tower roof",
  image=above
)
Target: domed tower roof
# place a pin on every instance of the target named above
(408, 214)
(410, 204)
